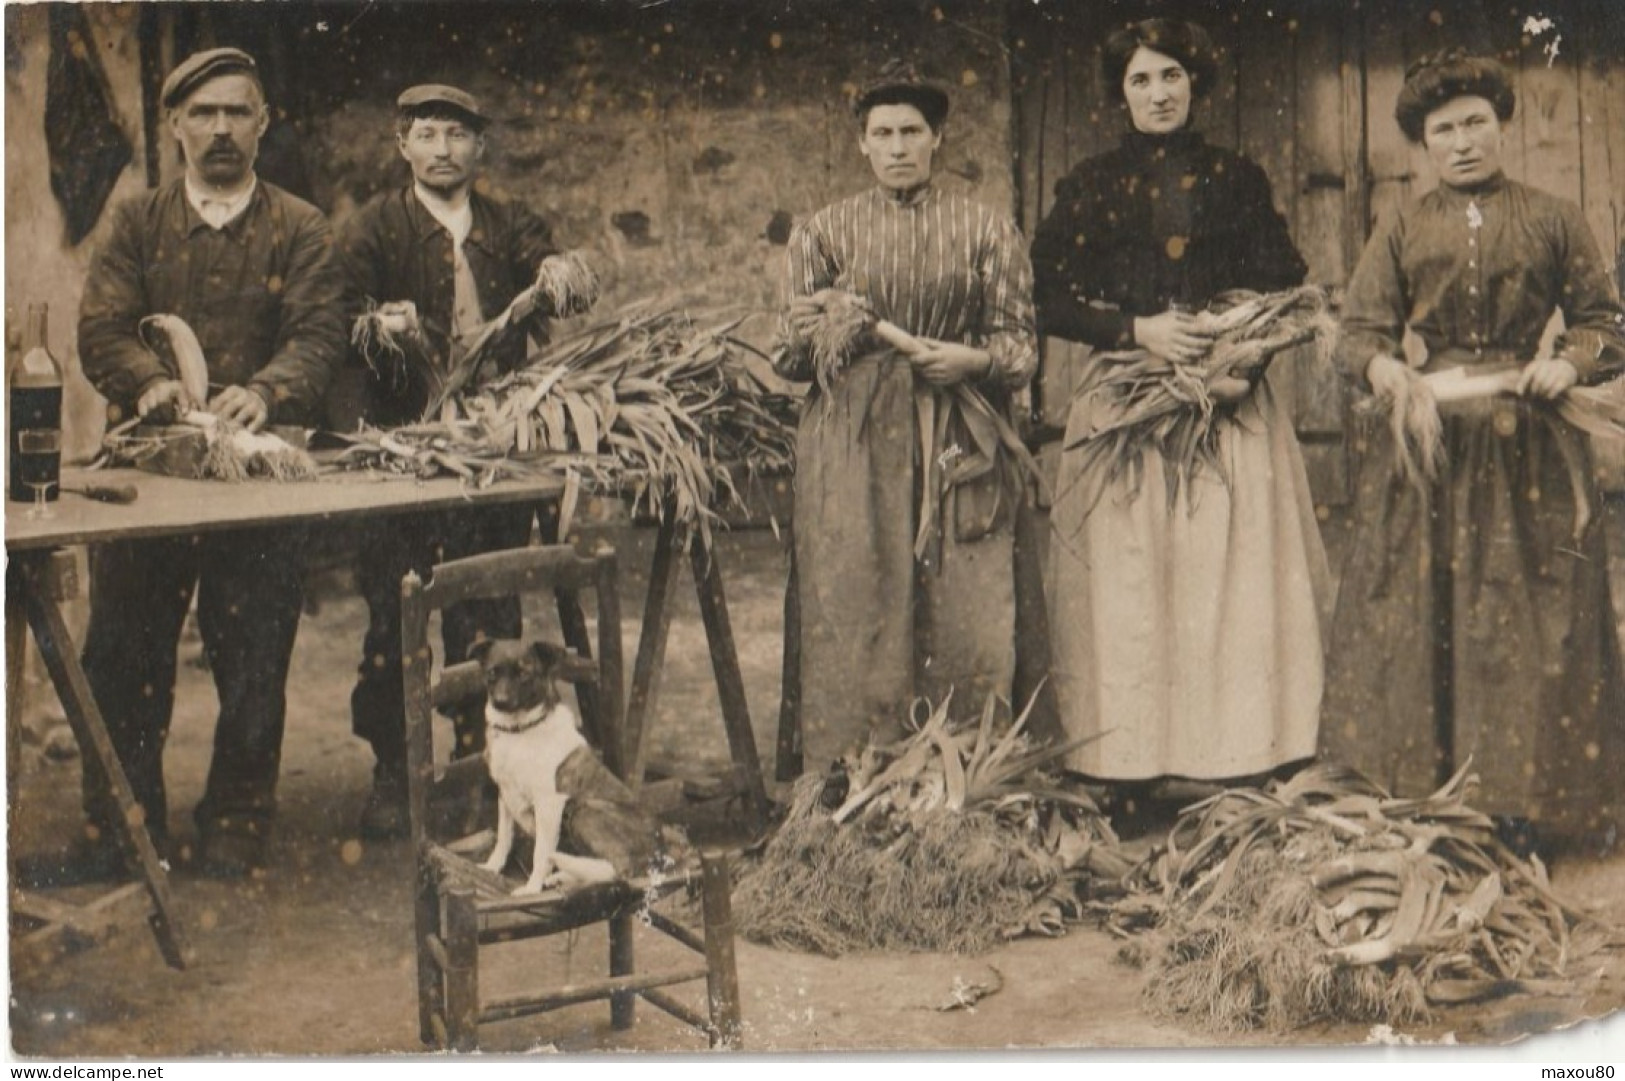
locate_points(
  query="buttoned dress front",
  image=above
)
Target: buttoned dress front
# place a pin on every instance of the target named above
(876, 625)
(1474, 618)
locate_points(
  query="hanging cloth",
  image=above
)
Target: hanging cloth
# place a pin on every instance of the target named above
(86, 146)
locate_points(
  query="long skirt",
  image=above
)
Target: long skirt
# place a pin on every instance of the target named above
(876, 626)
(1187, 638)
(1474, 621)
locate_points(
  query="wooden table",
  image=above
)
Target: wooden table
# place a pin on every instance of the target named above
(170, 506)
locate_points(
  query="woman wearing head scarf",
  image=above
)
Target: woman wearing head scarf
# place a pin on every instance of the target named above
(902, 582)
(1474, 617)
(1185, 633)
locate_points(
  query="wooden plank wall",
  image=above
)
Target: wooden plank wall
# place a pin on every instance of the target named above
(1307, 90)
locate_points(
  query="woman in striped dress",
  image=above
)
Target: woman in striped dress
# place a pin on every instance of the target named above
(903, 580)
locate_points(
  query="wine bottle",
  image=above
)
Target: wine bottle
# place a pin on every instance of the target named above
(35, 415)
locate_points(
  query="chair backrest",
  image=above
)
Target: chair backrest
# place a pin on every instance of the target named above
(599, 686)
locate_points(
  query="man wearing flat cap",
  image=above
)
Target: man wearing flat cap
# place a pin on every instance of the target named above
(459, 257)
(250, 269)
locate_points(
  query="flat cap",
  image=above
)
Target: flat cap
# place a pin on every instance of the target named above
(199, 68)
(435, 93)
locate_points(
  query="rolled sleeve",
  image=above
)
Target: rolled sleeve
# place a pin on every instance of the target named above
(1594, 336)
(807, 270)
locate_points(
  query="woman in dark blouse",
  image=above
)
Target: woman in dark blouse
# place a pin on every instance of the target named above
(1186, 636)
(1474, 617)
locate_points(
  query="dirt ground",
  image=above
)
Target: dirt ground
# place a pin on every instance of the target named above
(314, 956)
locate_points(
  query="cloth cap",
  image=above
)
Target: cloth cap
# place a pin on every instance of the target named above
(435, 93)
(199, 68)
(901, 81)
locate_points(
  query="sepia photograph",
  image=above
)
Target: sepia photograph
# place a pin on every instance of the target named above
(775, 527)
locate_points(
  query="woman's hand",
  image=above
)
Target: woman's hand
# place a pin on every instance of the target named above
(1228, 388)
(943, 364)
(1173, 336)
(1389, 378)
(1549, 378)
(805, 313)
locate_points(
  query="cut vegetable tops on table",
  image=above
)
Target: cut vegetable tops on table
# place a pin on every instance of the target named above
(1136, 400)
(230, 452)
(1324, 898)
(653, 403)
(953, 839)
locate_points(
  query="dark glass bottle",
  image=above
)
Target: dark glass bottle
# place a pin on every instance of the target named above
(35, 414)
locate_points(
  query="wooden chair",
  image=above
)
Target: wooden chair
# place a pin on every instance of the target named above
(460, 907)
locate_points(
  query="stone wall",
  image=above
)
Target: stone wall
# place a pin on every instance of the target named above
(678, 141)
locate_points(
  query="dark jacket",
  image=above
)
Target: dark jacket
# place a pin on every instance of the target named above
(1101, 256)
(259, 294)
(393, 249)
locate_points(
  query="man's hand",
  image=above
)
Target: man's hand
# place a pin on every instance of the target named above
(240, 406)
(167, 398)
(943, 364)
(1173, 336)
(525, 305)
(1549, 378)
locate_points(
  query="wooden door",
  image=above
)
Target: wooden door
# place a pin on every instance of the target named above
(1307, 89)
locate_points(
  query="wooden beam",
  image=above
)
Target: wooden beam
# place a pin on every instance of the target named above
(84, 716)
(507, 1009)
(707, 568)
(651, 655)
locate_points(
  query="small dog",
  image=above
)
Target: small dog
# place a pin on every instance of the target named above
(549, 781)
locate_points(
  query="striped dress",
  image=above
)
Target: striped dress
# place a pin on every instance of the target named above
(874, 624)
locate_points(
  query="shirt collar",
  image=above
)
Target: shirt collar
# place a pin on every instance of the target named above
(219, 211)
(907, 197)
(1168, 144)
(458, 219)
(1483, 188)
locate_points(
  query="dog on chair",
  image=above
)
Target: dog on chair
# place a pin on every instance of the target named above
(586, 824)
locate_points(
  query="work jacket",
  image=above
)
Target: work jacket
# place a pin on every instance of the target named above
(393, 249)
(259, 294)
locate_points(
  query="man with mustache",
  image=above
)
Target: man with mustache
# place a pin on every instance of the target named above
(250, 269)
(459, 257)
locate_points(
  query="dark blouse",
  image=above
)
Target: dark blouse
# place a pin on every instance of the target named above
(1477, 274)
(1160, 220)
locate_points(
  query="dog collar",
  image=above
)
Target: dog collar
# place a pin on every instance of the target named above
(503, 721)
